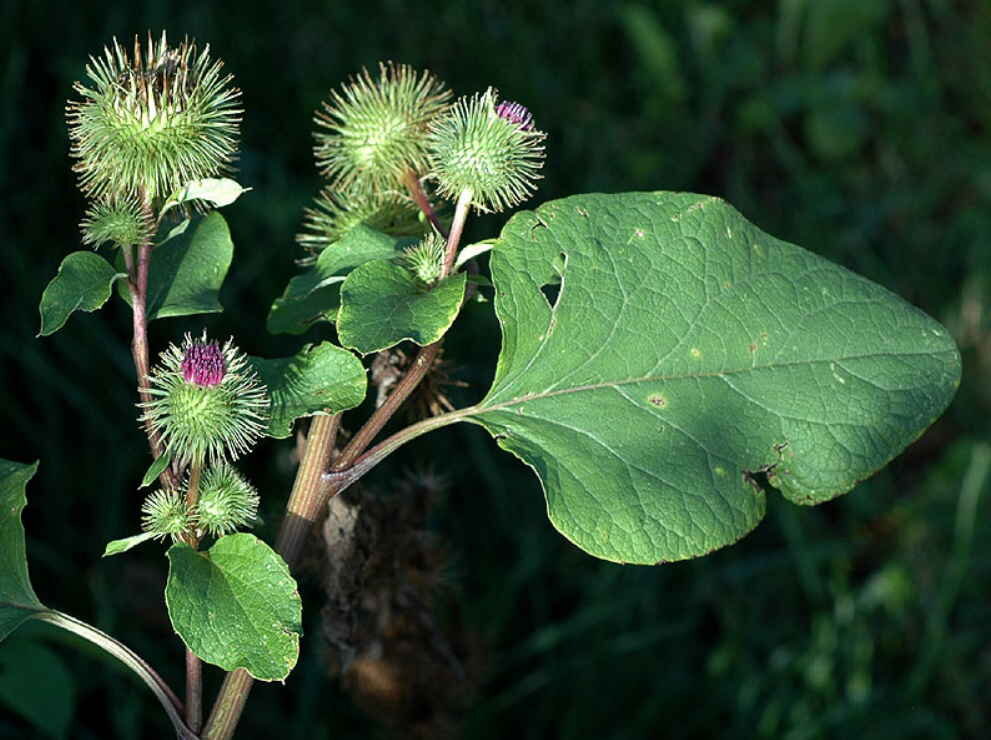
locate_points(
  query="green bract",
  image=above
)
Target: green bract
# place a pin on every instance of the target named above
(426, 259)
(375, 129)
(153, 120)
(334, 213)
(474, 149)
(119, 220)
(227, 501)
(199, 422)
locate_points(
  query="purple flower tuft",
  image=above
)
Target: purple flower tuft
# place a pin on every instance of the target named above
(204, 364)
(515, 113)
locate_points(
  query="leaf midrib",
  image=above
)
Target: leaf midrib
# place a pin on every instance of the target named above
(482, 408)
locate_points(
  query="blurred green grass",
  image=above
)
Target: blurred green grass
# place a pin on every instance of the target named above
(860, 129)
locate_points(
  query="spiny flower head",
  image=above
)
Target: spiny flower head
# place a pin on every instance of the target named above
(207, 402)
(227, 501)
(123, 221)
(337, 212)
(426, 259)
(152, 120)
(371, 132)
(491, 151)
(165, 514)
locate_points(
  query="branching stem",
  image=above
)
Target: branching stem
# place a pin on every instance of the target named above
(412, 183)
(311, 491)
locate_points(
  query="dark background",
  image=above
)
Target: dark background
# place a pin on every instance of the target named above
(856, 128)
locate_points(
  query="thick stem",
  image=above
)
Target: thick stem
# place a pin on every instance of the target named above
(229, 705)
(412, 183)
(309, 491)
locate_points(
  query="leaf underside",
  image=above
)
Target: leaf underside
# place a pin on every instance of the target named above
(659, 351)
(83, 283)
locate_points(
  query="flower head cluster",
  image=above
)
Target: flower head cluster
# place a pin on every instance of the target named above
(489, 149)
(372, 131)
(207, 402)
(152, 120)
(227, 502)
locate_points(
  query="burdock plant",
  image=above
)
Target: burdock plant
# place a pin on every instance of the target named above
(665, 365)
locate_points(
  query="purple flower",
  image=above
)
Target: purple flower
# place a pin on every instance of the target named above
(204, 364)
(515, 113)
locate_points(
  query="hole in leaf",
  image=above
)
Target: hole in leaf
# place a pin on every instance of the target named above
(552, 292)
(552, 288)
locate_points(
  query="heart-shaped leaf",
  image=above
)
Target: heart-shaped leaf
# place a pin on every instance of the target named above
(315, 294)
(660, 353)
(382, 304)
(316, 380)
(236, 606)
(83, 283)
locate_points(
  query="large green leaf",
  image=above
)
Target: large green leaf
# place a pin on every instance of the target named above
(315, 294)
(685, 353)
(188, 269)
(382, 304)
(236, 606)
(18, 601)
(83, 283)
(316, 380)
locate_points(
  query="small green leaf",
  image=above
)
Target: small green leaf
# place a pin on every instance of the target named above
(315, 294)
(382, 304)
(17, 598)
(83, 283)
(116, 547)
(35, 684)
(188, 269)
(236, 606)
(156, 469)
(177, 230)
(218, 191)
(659, 351)
(317, 380)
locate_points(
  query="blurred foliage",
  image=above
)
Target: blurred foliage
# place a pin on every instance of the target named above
(860, 129)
